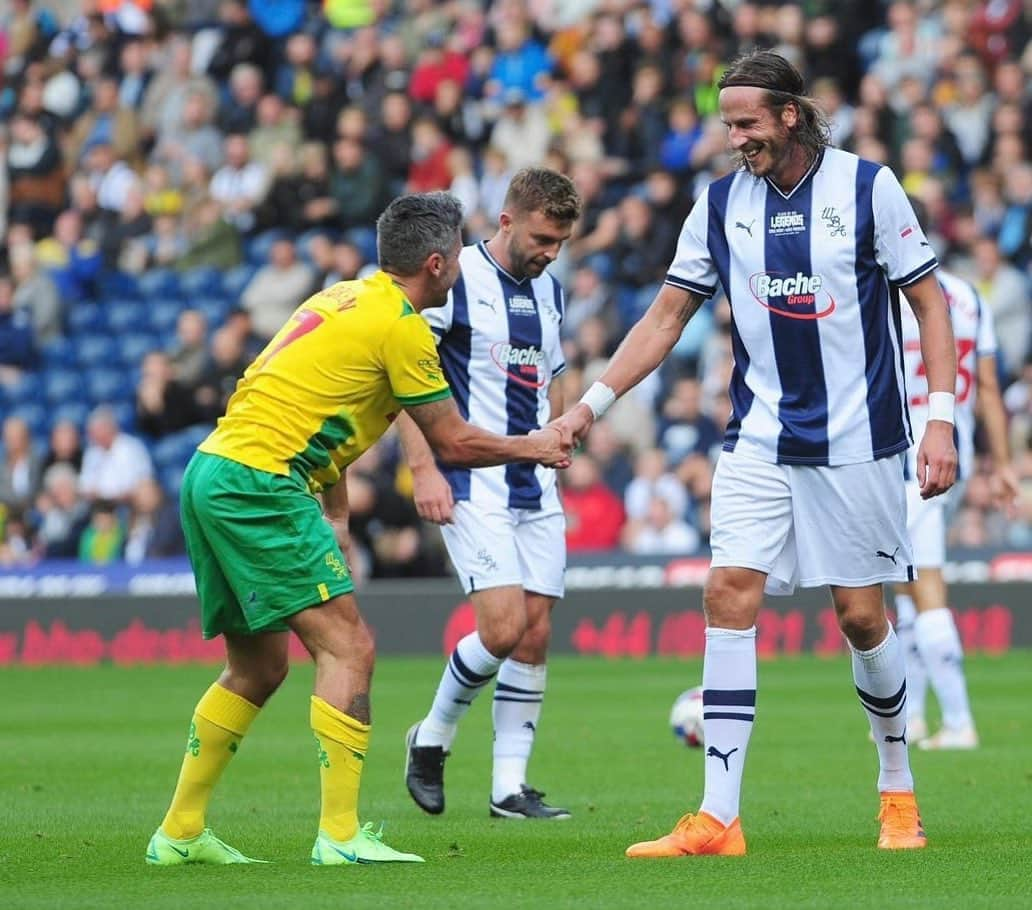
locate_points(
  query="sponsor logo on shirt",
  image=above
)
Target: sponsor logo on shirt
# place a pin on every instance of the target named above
(523, 365)
(796, 296)
(787, 223)
(522, 306)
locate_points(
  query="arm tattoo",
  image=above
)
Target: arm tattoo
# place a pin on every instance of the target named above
(689, 309)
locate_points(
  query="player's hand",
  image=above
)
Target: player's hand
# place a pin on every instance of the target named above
(342, 533)
(936, 459)
(576, 421)
(1005, 490)
(553, 447)
(432, 495)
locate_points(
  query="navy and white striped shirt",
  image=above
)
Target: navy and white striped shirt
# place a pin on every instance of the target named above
(812, 277)
(499, 344)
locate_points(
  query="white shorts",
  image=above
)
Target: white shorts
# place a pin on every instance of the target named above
(808, 525)
(492, 547)
(928, 520)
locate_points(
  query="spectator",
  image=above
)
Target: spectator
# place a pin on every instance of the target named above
(277, 289)
(356, 184)
(1006, 291)
(65, 446)
(652, 478)
(61, 514)
(611, 458)
(163, 403)
(521, 133)
(112, 179)
(114, 462)
(241, 43)
(188, 355)
(174, 82)
(193, 137)
(430, 150)
(17, 547)
(36, 294)
(277, 126)
(20, 467)
(594, 515)
(684, 429)
(223, 369)
(102, 540)
(154, 530)
(35, 173)
(239, 111)
(70, 259)
(17, 345)
(212, 241)
(296, 76)
(660, 532)
(105, 123)
(240, 184)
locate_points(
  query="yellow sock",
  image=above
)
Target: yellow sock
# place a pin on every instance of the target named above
(343, 743)
(220, 721)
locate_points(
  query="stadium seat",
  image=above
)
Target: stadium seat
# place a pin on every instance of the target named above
(257, 249)
(86, 316)
(235, 280)
(106, 386)
(117, 284)
(213, 308)
(200, 282)
(135, 345)
(159, 283)
(58, 353)
(95, 350)
(28, 387)
(171, 479)
(126, 315)
(125, 414)
(163, 314)
(34, 415)
(72, 411)
(61, 385)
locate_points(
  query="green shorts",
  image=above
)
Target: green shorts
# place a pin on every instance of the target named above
(258, 544)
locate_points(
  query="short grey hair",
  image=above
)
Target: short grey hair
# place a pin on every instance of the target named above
(414, 227)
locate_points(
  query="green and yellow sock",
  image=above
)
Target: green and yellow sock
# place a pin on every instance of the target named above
(220, 721)
(343, 743)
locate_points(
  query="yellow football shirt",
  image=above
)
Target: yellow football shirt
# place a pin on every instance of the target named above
(330, 382)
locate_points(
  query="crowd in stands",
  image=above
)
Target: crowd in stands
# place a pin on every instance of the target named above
(177, 175)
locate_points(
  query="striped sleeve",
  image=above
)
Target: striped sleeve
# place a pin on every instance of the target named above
(901, 247)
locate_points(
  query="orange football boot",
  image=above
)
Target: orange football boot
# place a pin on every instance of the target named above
(901, 827)
(695, 835)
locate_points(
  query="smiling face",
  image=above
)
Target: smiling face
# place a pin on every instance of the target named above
(762, 135)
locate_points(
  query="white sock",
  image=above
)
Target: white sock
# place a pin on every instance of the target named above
(917, 675)
(728, 709)
(880, 677)
(470, 668)
(516, 711)
(943, 655)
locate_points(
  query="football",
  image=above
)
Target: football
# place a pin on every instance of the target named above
(686, 717)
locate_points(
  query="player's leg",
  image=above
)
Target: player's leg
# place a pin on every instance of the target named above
(481, 545)
(851, 528)
(879, 673)
(255, 667)
(516, 713)
(522, 678)
(917, 675)
(942, 654)
(753, 548)
(501, 619)
(342, 648)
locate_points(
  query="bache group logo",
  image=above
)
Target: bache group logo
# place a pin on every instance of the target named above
(796, 296)
(522, 365)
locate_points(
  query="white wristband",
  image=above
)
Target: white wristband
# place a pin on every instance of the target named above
(940, 406)
(599, 397)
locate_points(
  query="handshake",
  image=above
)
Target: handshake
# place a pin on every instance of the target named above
(554, 443)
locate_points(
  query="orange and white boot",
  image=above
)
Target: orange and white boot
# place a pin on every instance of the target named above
(695, 835)
(901, 827)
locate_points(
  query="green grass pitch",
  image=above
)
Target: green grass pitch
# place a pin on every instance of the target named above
(88, 758)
